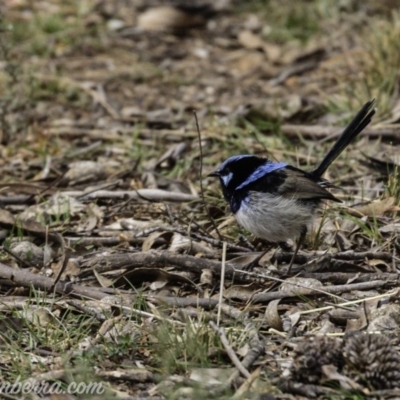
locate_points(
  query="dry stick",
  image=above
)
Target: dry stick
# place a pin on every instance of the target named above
(183, 302)
(21, 199)
(51, 185)
(83, 150)
(328, 290)
(27, 279)
(343, 277)
(153, 194)
(201, 178)
(64, 263)
(21, 260)
(231, 354)
(352, 255)
(349, 303)
(102, 186)
(11, 200)
(294, 70)
(101, 241)
(222, 281)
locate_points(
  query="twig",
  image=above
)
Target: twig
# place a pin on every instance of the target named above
(231, 354)
(327, 290)
(64, 263)
(102, 241)
(153, 194)
(222, 281)
(201, 178)
(28, 279)
(343, 277)
(294, 70)
(50, 186)
(280, 294)
(349, 255)
(102, 186)
(84, 150)
(352, 255)
(18, 258)
(184, 302)
(46, 168)
(349, 303)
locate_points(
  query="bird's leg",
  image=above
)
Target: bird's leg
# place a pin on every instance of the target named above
(300, 241)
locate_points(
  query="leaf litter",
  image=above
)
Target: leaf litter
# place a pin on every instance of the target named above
(111, 253)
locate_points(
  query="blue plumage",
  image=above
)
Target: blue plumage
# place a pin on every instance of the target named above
(261, 172)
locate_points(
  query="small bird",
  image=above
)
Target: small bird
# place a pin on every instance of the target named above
(276, 201)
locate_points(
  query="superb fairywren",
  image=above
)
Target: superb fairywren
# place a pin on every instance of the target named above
(276, 201)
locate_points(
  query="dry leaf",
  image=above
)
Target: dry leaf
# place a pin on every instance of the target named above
(168, 19)
(57, 207)
(272, 51)
(390, 228)
(206, 277)
(211, 376)
(85, 171)
(104, 282)
(375, 208)
(138, 276)
(272, 317)
(250, 40)
(150, 241)
(300, 285)
(242, 292)
(244, 260)
(29, 252)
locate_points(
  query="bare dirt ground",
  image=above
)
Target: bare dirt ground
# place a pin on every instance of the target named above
(114, 238)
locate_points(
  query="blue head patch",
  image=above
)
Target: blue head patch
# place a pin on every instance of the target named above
(262, 170)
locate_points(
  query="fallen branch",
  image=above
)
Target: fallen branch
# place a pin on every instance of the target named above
(140, 194)
(27, 279)
(334, 289)
(343, 277)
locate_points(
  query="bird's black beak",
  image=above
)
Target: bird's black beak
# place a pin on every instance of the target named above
(213, 174)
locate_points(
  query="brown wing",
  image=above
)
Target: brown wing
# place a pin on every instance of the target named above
(298, 185)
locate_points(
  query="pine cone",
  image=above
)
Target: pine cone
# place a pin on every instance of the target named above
(374, 361)
(311, 355)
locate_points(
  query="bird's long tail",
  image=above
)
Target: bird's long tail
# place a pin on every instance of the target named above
(359, 122)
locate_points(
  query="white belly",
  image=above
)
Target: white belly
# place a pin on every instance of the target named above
(274, 218)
